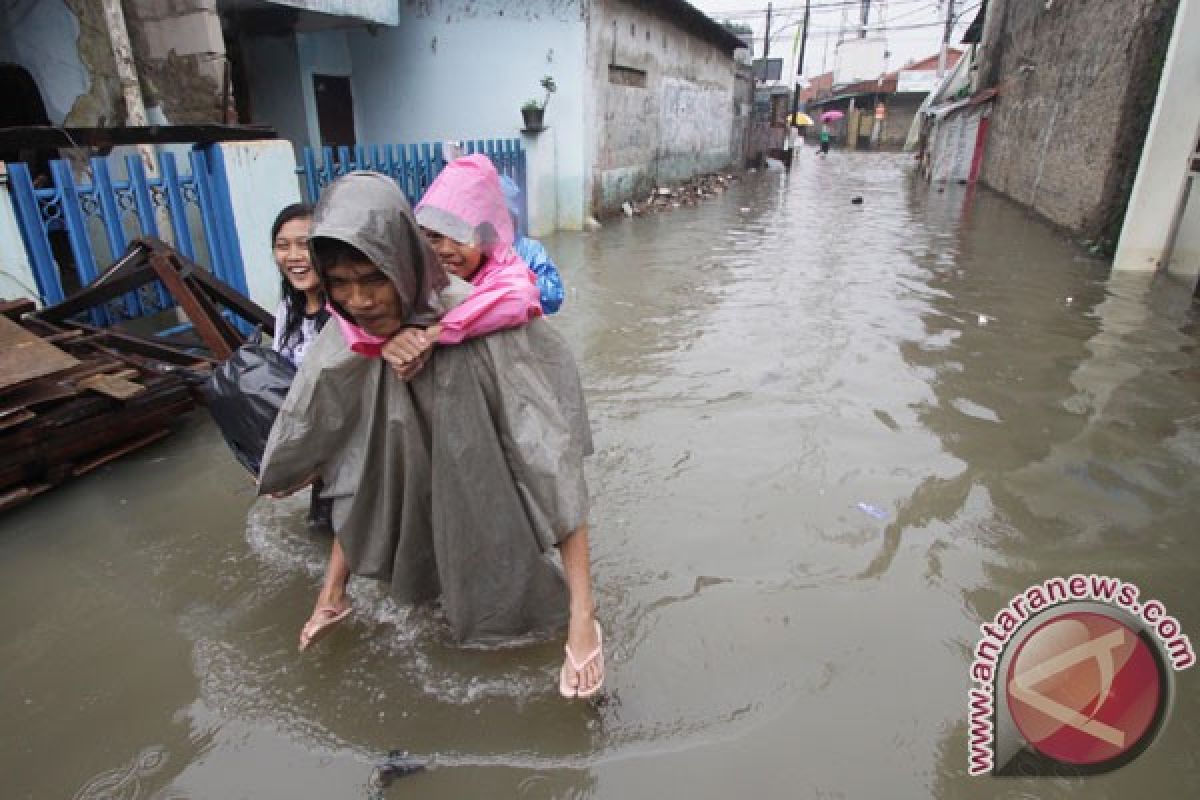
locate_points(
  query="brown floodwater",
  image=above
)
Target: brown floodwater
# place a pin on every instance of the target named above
(756, 368)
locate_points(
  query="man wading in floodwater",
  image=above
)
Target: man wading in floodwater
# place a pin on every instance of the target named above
(458, 477)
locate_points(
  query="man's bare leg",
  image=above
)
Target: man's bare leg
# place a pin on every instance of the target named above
(332, 604)
(581, 628)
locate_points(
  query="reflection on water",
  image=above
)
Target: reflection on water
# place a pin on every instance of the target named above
(760, 370)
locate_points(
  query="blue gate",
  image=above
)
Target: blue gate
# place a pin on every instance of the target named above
(107, 209)
(412, 166)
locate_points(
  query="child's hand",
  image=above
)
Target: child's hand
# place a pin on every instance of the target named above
(409, 349)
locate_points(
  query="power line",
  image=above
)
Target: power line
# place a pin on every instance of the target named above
(837, 5)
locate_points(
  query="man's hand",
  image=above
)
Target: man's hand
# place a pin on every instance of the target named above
(409, 349)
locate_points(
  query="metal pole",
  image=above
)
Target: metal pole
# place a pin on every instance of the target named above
(942, 54)
(800, 61)
(803, 40)
(866, 12)
(766, 44)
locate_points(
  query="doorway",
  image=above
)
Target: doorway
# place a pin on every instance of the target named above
(335, 110)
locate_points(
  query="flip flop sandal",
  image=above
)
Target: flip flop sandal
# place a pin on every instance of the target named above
(597, 655)
(321, 623)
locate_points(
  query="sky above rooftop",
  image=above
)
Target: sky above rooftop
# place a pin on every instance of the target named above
(913, 28)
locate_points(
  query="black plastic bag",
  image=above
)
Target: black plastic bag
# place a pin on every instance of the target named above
(244, 396)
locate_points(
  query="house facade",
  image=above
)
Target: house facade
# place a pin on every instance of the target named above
(645, 90)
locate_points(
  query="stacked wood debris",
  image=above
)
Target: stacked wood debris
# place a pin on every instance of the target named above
(71, 401)
(690, 193)
(74, 396)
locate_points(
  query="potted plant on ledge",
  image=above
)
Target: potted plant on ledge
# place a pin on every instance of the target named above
(534, 110)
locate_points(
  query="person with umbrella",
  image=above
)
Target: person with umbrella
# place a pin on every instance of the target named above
(826, 118)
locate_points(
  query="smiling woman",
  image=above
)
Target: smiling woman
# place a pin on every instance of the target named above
(301, 312)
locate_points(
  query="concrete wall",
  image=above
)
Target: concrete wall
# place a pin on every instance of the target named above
(276, 91)
(180, 56)
(1185, 255)
(16, 275)
(455, 69)
(280, 69)
(261, 184)
(743, 114)
(384, 12)
(677, 125)
(1077, 83)
(1165, 201)
(65, 47)
(324, 53)
(901, 110)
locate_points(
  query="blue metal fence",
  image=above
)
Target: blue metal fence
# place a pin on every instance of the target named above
(99, 218)
(413, 166)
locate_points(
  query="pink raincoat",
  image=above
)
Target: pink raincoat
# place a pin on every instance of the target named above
(467, 204)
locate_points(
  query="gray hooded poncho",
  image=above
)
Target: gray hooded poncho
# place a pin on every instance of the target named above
(455, 484)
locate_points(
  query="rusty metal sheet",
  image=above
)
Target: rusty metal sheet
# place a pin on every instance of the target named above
(23, 356)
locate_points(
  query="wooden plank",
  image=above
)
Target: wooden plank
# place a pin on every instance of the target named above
(117, 452)
(20, 495)
(11, 419)
(113, 386)
(23, 356)
(15, 309)
(53, 387)
(64, 336)
(129, 272)
(219, 336)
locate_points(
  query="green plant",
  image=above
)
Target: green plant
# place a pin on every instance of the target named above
(550, 86)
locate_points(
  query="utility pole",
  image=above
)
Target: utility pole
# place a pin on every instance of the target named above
(941, 68)
(866, 12)
(766, 45)
(800, 63)
(803, 40)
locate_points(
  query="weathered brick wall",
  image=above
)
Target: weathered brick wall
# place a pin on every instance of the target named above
(1078, 81)
(665, 113)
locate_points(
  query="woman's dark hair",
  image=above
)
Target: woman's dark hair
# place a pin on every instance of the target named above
(295, 298)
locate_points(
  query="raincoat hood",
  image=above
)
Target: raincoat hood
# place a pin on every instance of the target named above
(368, 211)
(465, 202)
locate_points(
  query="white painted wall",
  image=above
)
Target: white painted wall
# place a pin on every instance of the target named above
(261, 183)
(384, 12)
(276, 92)
(455, 69)
(40, 36)
(16, 275)
(1185, 255)
(1162, 172)
(323, 53)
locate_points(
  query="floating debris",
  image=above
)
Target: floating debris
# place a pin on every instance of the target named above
(398, 764)
(874, 511)
(667, 198)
